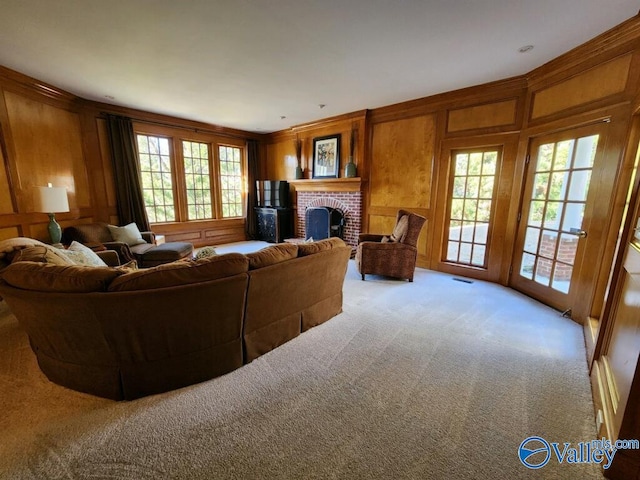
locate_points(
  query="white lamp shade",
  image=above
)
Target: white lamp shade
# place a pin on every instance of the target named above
(50, 199)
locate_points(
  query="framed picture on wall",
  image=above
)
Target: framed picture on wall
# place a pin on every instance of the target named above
(326, 156)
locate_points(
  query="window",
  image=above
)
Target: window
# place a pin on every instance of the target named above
(197, 180)
(157, 183)
(195, 177)
(472, 192)
(231, 181)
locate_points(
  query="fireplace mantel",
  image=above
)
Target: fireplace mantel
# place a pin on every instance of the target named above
(328, 185)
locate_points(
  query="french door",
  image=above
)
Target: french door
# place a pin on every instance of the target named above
(555, 223)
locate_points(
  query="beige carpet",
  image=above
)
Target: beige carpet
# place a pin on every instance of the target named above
(436, 379)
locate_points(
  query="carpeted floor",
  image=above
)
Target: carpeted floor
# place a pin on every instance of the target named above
(435, 379)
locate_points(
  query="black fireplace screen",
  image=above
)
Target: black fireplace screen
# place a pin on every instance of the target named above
(323, 222)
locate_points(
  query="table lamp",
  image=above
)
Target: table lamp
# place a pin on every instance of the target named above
(51, 200)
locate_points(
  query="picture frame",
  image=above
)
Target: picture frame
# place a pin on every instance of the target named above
(326, 156)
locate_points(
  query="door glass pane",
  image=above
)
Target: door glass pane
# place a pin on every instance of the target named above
(480, 237)
(545, 157)
(528, 262)
(564, 151)
(543, 271)
(531, 239)
(553, 214)
(540, 184)
(579, 185)
(559, 192)
(586, 152)
(574, 212)
(548, 242)
(471, 199)
(562, 277)
(536, 213)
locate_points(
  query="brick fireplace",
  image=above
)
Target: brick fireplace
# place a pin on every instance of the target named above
(347, 199)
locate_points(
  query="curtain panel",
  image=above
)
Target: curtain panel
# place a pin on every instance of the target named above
(130, 202)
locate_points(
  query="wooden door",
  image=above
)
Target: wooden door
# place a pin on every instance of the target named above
(557, 231)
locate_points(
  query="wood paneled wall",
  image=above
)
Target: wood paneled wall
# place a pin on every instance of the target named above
(48, 135)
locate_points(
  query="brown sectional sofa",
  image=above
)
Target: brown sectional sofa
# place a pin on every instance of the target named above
(124, 335)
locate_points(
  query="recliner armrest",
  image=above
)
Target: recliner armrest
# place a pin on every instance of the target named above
(123, 250)
(149, 237)
(369, 237)
(110, 257)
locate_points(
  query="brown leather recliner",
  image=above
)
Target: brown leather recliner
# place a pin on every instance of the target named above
(97, 236)
(394, 255)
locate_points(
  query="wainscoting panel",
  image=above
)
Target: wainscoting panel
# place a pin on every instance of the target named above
(48, 148)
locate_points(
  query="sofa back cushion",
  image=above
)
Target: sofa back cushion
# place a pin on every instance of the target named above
(47, 277)
(310, 248)
(182, 272)
(272, 255)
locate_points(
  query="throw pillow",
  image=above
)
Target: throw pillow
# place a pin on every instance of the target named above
(400, 232)
(205, 252)
(128, 234)
(82, 255)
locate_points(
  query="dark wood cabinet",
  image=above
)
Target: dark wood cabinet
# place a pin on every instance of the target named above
(274, 224)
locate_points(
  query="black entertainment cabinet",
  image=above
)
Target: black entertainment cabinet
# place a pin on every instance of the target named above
(274, 224)
(275, 218)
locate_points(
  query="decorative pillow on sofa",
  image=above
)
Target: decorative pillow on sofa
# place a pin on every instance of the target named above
(182, 273)
(305, 249)
(46, 277)
(205, 252)
(81, 255)
(129, 234)
(272, 255)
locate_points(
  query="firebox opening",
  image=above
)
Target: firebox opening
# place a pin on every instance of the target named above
(324, 222)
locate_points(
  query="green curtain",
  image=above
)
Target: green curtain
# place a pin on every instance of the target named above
(251, 224)
(126, 170)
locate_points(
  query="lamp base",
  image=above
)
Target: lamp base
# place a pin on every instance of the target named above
(55, 232)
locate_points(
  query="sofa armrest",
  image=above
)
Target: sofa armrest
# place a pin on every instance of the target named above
(110, 257)
(149, 237)
(123, 250)
(369, 237)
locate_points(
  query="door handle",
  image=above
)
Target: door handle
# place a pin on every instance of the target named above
(578, 232)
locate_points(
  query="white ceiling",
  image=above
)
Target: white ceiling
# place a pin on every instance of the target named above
(246, 63)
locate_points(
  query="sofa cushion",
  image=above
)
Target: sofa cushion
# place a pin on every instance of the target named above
(42, 254)
(305, 249)
(182, 273)
(129, 234)
(272, 255)
(46, 277)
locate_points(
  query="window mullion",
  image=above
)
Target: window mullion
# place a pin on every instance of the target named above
(215, 181)
(180, 192)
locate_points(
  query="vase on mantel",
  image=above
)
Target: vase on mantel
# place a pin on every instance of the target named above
(299, 172)
(350, 169)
